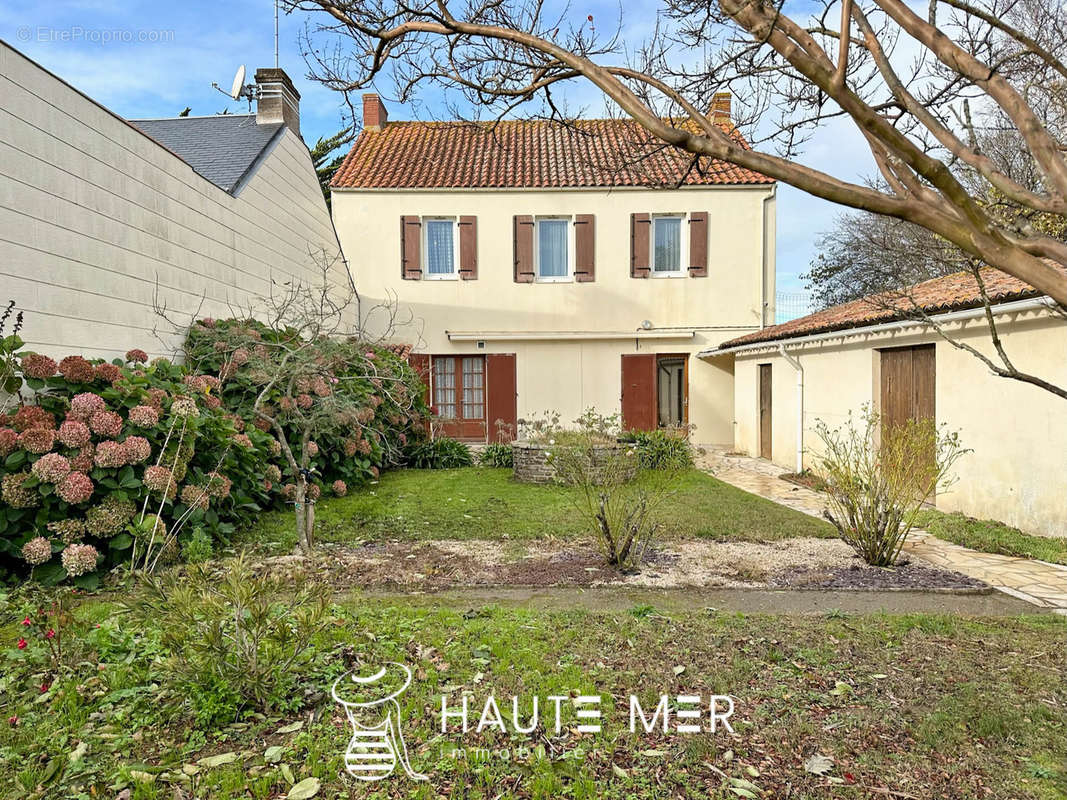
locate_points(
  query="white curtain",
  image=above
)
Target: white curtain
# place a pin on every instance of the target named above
(552, 247)
(440, 253)
(667, 250)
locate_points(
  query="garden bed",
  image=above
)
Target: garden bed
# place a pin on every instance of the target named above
(803, 563)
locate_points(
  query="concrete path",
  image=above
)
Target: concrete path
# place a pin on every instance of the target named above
(1038, 583)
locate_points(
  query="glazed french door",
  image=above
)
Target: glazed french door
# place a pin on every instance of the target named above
(458, 396)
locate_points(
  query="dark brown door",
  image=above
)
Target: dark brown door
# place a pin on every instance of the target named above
(765, 411)
(501, 396)
(639, 392)
(458, 391)
(907, 391)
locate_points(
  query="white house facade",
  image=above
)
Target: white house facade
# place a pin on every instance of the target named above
(549, 268)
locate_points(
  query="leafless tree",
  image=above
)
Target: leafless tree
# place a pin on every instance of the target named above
(921, 91)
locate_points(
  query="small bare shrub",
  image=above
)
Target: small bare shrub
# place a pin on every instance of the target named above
(878, 476)
(621, 512)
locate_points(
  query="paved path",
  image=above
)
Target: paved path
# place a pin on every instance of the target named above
(1036, 582)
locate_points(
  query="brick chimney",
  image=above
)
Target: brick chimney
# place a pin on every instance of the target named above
(374, 113)
(720, 107)
(277, 100)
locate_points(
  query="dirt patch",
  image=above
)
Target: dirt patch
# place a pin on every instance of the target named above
(808, 480)
(860, 576)
(803, 563)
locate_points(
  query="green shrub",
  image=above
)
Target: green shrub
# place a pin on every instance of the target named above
(497, 454)
(439, 453)
(661, 449)
(236, 640)
(198, 548)
(877, 478)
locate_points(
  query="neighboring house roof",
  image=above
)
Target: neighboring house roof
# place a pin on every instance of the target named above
(523, 154)
(221, 148)
(954, 292)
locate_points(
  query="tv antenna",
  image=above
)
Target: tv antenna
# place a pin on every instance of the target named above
(239, 88)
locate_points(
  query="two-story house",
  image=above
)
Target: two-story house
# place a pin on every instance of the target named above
(553, 267)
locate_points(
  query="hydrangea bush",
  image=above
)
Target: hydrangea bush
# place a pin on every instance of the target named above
(96, 448)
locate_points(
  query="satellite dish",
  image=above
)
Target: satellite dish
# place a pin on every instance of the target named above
(238, 83)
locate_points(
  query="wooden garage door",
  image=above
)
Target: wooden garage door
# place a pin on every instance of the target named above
(907, 391)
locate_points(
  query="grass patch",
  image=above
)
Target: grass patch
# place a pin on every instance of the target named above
(919, 705)
(989, 536)
(482, 503)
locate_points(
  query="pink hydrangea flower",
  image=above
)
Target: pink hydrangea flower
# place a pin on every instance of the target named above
(79, 559)
(340, 488)
(34, 365)
(51, 468)
(76, 488)
(76, 369)
(239, 357)
(313, 449)
(218, 485)
(137, 356)
(242, 440)
(314, 491)
(195, 497)
(305, 401)
(37, 550)
(273, 473)
(111, 454)
(28, 417)
(144, 416)
(84, 461)
(158, 478)
(73, 433)
(8, 441)
(137, 449)
(84, 405)
(37, 440)
(105, 423)
(107, 372)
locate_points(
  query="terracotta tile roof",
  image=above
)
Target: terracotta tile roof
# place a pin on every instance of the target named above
(525, 154)
(949, 293)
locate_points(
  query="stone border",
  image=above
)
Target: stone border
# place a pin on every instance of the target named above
(531, 459)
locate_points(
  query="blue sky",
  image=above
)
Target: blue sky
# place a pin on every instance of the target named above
(188, 44)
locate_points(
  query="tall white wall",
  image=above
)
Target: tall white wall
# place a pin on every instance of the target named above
(97, 222)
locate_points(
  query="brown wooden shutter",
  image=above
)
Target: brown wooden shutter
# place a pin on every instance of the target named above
(524, 259)
(585, 248)
(420, 362)
(410, 248)
(639, 228)
(501, 396)
(468, 248)
(698, 244)
(639, 392)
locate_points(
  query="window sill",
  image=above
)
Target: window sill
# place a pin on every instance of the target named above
(679, 274)
(560, 279)
(448, 276)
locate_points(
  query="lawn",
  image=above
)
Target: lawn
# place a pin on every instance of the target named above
(481, 503)
(906, 707)
(990, 536)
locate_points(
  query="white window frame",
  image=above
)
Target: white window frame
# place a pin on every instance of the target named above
(440, 276)
(569, 277)
(683, 250)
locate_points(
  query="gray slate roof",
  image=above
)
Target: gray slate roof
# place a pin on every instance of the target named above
(221, 148)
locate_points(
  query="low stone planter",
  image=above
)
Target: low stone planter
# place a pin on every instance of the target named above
(531, 462)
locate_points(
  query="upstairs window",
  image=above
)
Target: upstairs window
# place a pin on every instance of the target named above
(440, 248)
(666, 245)
(553, 249)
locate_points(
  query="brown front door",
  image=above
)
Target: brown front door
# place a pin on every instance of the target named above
(457, 385)
(639, 392)
(765, 411)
